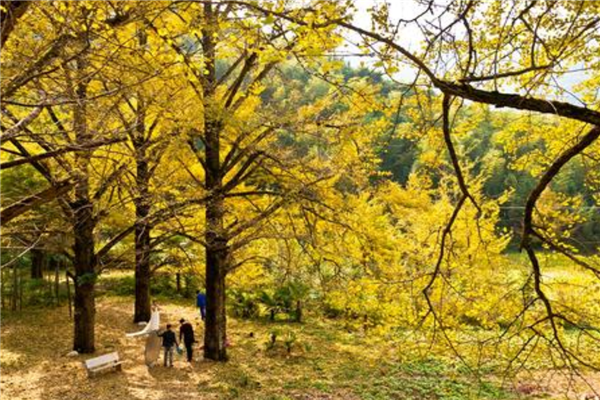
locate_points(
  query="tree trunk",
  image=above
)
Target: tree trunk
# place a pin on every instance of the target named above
(217, 250)
(142, 268)
(14, 291)
(2, 288)
(85, 279)
(299, 311)
(57, 282)
(20, 279)
(142, 210)
(37, 264)
(84, 223)
(178, 282)
(217, 253)
(216, 322)
(69, 293)
(142, 275)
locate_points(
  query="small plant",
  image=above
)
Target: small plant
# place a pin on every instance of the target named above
(272, 342)
(289, 340)
(244, 304)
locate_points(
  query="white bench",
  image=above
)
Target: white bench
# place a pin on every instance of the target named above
(110, 360)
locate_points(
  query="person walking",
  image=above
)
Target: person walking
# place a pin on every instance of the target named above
(186, 335)
(201, 303)
(169, 343)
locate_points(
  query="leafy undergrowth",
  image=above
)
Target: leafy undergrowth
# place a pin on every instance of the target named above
(324, 362)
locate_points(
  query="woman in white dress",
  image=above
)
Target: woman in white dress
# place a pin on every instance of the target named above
(152, 325)
(152, 349)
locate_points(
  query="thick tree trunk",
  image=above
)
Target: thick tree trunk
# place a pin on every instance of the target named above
(217, 251)
(216, 322)
(142, 266)
(84, 223)
(142, 276)
(85, 278)
(142, 210)
(37, 264)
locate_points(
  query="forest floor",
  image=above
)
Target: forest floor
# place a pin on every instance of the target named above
(326, 362)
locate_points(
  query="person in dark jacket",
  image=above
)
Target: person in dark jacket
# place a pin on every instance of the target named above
(169, 343)
(201, 303)
(186, 334)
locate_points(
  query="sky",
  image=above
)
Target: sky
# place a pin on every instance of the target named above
(411, 38)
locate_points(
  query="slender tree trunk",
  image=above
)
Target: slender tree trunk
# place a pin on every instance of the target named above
(48, 277)
(57, 282)
(299, 311)
(37, 264)
(69, 294)
(217, 250)
(20, 286)
(178, 282)
(2, 288)
(14, 291)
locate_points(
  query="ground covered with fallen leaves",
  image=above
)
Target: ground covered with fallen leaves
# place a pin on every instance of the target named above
(325, 362)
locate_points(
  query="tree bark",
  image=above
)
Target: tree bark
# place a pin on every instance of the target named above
(69, 293)
(142, 227)
(2, 288)
(37, 264)
(216, 322)
(13, 303)
(85, 278)
(142, 273)
(217, 250)
(84, 223)
(57, 281)
(20, 279)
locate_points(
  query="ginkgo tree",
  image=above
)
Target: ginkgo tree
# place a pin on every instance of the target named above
(520, 61)
(76, 130)
(246, 172)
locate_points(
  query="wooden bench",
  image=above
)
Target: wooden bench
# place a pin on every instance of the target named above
(110, 360)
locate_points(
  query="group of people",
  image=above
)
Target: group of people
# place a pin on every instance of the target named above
(170, 343)
(186, 334)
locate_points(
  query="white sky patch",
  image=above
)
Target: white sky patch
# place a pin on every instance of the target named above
(411, 38)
